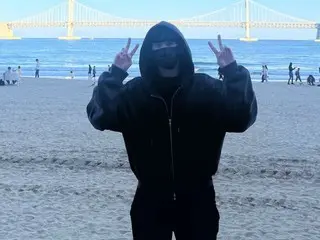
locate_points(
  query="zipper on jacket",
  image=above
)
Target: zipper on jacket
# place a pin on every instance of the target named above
(169, 113)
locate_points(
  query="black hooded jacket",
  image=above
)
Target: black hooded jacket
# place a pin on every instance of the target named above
(172, 147)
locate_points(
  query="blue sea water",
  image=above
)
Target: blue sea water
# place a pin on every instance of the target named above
(58, 58)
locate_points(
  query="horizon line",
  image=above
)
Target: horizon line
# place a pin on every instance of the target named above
(93, 38)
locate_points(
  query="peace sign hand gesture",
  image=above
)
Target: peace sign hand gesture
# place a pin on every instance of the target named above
(224, 56)
(123, 59)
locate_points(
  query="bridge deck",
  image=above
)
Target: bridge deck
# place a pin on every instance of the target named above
(288, 25)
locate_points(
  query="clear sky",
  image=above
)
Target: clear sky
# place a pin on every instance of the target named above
(163, 9)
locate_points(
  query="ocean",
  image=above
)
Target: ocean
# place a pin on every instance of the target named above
(58, 58)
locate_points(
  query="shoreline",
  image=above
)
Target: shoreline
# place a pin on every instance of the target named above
(128, 79)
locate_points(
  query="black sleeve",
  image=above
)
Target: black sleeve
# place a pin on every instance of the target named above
(239, 104)
(107, 99)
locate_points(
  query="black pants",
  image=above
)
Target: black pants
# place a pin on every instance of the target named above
(298, 78)
(36, 75)
(191, 216)
(290, 78)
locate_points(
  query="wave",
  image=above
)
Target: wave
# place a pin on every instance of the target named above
(255, 76)
(56, 66)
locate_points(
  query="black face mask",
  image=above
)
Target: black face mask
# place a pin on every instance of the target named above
(166, 57)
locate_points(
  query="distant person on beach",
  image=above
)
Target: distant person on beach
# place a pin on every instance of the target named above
(93, 76)
(109, 68)
(311, 80)
(14, 76)
(173, 122)
(291, 73)
(298, 77)
(267, 71)
(10, 76)
(264, 73)
(7, 76)
(37, 73)
(19, 73)
(2, 80)
(89, 73)
(71, 74)
(94, 73)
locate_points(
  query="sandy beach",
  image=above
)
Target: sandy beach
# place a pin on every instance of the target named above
(62, 179)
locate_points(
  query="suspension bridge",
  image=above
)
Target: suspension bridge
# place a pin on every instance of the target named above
(246, 14)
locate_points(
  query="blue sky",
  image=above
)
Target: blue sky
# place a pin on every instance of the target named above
(163, 9)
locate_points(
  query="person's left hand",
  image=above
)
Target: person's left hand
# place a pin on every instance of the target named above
(224, 56)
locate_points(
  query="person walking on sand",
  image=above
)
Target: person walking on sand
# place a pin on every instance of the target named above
(291, 73)
(19, 74)
(89, 73)
(37, 73)
(264, 74)
(298, 77)
(93, 76)
(71, 74)
(173, 122)
(94, 73)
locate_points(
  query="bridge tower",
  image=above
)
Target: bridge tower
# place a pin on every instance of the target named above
(318, 33)
(70, 23)
(6, 32)
(247, 37)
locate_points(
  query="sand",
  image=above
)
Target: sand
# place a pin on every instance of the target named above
(62, 179)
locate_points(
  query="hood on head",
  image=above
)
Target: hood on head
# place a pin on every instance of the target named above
(159, 32)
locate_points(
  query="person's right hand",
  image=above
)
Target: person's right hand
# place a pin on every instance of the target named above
(123, 59)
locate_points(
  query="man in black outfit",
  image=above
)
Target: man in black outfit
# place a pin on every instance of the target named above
(173, 122)
(89, 72)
